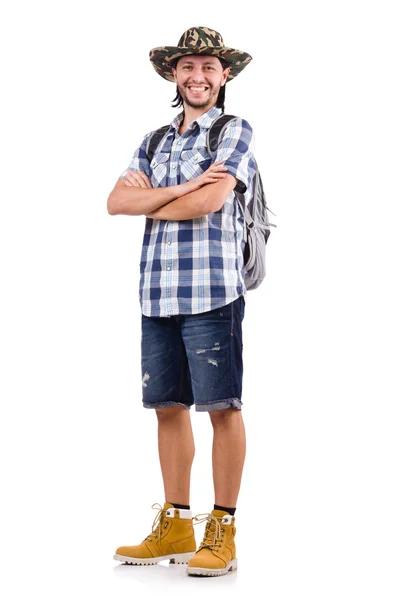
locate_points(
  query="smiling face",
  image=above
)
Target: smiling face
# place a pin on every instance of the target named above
(199, 79)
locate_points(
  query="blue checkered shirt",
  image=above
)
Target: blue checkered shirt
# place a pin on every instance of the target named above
(195, 265)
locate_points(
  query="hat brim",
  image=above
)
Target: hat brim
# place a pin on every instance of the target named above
(162, 58)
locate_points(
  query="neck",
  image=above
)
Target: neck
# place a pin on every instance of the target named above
(191, 114)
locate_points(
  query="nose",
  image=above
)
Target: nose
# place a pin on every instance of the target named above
(197, 75)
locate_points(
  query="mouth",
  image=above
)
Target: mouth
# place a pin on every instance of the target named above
(197, 89)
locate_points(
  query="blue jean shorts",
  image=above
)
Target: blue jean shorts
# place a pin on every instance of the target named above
(194, 359)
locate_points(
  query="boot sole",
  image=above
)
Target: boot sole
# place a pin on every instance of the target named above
(179, 559)
(232, 566)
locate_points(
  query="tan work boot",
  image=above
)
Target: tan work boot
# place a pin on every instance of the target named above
(172, 538)
(217, 552)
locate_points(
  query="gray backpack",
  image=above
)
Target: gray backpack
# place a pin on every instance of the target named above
(256, 214)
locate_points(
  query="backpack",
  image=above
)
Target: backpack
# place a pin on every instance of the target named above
(256, 213)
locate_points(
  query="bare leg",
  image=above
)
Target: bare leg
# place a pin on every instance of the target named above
(176, 451)
(228, 454)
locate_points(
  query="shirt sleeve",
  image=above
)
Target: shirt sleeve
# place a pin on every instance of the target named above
(236, 149)
(140, 160)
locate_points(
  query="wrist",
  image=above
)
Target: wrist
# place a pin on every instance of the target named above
(184, 188)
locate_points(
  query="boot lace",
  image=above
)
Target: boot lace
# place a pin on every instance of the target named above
(157, 526)
(212, 535)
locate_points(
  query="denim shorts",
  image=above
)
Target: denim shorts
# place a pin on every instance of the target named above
(194, 359)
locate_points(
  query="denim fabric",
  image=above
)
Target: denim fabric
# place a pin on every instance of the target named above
(194, 359)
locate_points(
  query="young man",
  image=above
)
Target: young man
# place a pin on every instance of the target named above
(192, 296)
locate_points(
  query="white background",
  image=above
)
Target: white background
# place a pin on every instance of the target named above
(316, 516)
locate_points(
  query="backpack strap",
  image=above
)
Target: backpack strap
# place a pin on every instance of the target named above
(215, 132)
(214, 135)
(154, 139)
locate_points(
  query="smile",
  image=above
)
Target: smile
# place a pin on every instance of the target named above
(197, 88)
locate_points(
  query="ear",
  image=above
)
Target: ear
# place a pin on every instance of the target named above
(174, 73)
(225, 75)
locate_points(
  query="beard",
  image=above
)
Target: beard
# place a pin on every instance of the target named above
(211, 94)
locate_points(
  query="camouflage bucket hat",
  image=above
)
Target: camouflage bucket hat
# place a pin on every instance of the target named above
(198, 40)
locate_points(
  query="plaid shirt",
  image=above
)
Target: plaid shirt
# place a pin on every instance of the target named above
(195, 265)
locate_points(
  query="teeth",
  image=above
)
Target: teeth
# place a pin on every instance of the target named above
(197, 89)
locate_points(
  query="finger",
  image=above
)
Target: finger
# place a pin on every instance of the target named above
(139, 177)
(131, 181)
(148, 182)
(133, 174)
(128, 180)
(135, 179)
(215, 167)
(214, 173)
(215, 178)
(130, 174)
(216, 170)
(146, 179)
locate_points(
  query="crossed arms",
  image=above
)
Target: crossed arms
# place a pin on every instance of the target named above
(200, 196)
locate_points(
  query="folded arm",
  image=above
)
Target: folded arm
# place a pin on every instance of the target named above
(134, 195)
(198, 203)
(131, 200)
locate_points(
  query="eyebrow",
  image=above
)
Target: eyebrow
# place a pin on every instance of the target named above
(191, 62)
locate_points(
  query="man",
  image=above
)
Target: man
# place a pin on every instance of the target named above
(192, 296)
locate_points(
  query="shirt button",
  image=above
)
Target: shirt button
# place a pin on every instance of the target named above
(169, 243)
(168, 268)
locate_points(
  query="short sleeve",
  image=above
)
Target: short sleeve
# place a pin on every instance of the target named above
(140, 160)
(236, 149)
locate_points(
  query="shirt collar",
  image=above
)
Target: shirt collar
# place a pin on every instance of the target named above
(204, 121)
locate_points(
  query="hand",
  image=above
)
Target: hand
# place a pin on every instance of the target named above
(213, 174)
(137, 179)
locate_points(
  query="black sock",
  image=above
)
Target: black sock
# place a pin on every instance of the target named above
(231, 511)
(186, 506)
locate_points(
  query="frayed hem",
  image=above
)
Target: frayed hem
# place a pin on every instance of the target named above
(219, 405)
(165, 405)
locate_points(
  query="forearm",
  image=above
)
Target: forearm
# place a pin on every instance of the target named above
(190, 206)
(130, 200)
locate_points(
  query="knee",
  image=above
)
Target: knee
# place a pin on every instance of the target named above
(170, 412)
(220, 418)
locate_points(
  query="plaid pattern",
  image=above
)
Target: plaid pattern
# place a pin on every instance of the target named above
(196, 265)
